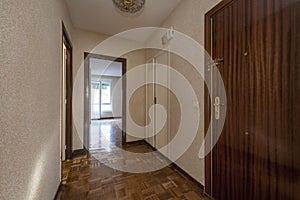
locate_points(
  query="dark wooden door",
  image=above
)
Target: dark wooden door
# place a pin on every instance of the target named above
(273, 149)
(229, 160)
(256, 156)
(68, 95)
(69, 83)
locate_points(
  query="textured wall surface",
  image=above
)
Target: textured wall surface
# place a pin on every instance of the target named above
(30, 71)
(188, 18)
(137, 102)
(83, 41)
(86, 41)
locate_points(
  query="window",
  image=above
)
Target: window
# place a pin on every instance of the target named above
(106, 96)
(95, 100)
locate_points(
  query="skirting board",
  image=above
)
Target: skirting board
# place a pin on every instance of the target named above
(58, 193)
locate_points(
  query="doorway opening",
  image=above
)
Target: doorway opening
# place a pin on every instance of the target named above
(104, 102)
(66, 98)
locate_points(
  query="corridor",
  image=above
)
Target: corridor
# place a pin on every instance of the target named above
(85, 177)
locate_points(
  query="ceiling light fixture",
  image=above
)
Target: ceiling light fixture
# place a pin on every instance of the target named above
(129, 6)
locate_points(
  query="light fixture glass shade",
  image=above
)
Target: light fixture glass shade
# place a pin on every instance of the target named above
(129, 6)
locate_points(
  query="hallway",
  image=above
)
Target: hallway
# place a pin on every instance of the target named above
(85, 177)
(206, 93)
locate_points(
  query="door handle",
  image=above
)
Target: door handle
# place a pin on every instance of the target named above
(217, 105)
(214, 63)
(217, 61)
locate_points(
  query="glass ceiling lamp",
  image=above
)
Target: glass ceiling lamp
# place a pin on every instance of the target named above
(129, 6)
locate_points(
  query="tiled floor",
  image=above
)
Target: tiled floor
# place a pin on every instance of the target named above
(85, 177)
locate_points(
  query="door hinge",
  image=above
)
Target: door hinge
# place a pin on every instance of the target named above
(155, 100)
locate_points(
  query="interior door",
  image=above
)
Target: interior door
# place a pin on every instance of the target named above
(150, 98)
(162, 98)
(67, 99)
(64, 87)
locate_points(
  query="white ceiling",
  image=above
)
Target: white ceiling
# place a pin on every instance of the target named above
(101, 67)
(101, 15)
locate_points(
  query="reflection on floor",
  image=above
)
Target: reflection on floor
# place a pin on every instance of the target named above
(105, 133)
(85, 177)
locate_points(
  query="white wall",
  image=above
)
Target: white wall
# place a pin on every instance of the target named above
(86, 41)
(30, 57)
(188, 18)
(83, 41)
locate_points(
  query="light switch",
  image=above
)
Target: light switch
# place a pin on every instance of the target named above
(196, 104)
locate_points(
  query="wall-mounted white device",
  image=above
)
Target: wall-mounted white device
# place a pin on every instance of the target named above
(168, 36)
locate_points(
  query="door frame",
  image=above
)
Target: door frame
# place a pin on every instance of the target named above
(87, 79)
(207, 101)
(153, 61)
(69, 92)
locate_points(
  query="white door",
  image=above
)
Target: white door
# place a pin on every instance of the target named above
(157, 93)
(150, 95)
(162, 98)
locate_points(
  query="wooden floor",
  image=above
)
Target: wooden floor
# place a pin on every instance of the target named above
(85, 177)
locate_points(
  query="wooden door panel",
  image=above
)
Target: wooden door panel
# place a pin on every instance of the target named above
(69, 83)
(229, 161)
(271, 35)
(256, 156)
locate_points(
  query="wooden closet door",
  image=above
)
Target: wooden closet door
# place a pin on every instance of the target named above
(229, 163)
(272, 42)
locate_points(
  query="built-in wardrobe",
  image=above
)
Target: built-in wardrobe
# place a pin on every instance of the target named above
(158, 79)
(254, 44)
